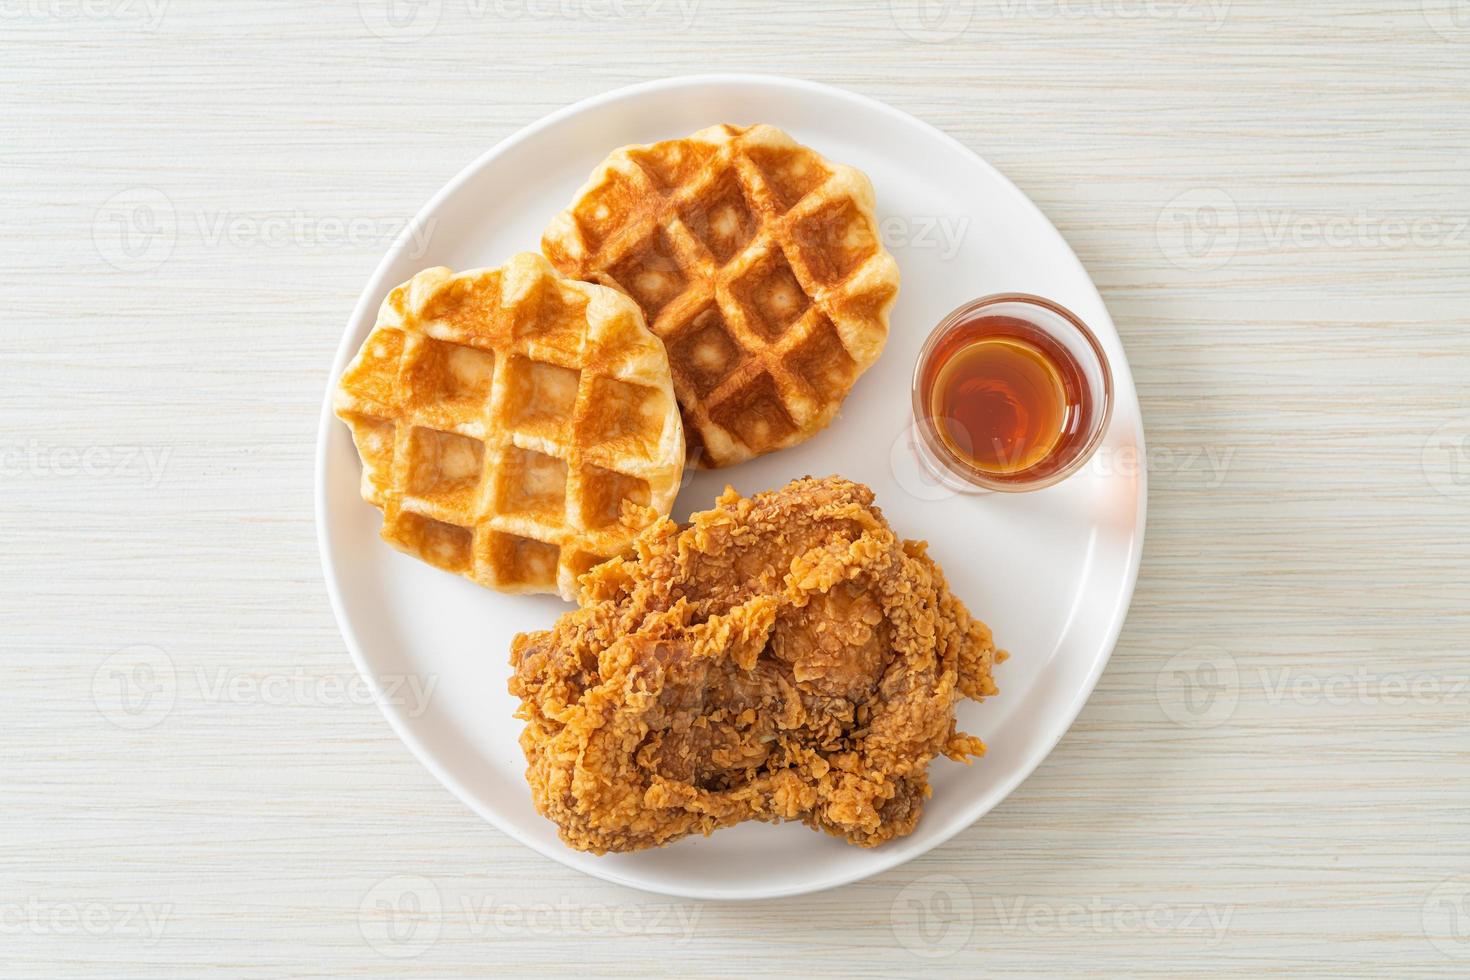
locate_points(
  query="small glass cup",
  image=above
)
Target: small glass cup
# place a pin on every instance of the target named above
(1084, 426)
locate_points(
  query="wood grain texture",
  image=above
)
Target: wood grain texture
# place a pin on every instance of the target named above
(1273, 776)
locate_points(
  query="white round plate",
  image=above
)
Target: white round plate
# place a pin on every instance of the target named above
(1052, 572)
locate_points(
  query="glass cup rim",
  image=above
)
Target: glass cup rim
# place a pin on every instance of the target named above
(970, 474)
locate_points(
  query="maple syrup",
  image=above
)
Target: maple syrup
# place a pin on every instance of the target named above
(1005, 396)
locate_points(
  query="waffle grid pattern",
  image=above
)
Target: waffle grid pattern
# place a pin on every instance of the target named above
(506, 417)
(756, 261)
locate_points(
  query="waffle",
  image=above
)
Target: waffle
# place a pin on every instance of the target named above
(514, 427)
(759, 265)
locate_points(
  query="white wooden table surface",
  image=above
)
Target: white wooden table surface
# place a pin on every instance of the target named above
(1274, 774)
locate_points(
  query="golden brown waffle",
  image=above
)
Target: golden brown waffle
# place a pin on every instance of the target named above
(756, 261)
(515, 427)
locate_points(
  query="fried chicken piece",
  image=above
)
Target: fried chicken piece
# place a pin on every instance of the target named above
(783, 657)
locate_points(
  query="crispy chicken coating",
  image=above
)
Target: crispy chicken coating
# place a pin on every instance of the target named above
(783, 657)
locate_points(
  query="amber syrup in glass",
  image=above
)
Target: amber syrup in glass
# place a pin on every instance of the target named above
(1005, 398)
